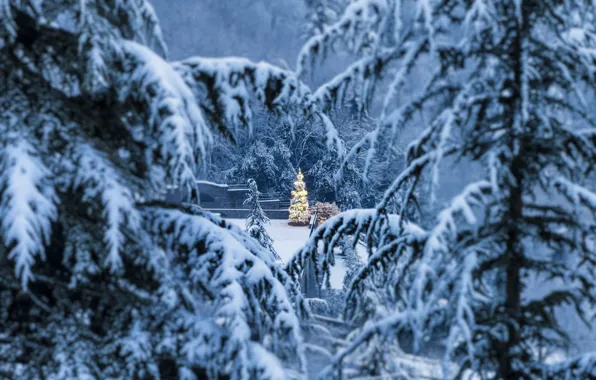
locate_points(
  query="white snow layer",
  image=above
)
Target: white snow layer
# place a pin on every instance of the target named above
(287, 240)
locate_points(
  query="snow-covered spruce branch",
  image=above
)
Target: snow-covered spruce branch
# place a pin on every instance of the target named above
(173, 110)
(557, 226)
(393, 122)
(437, 264)
(413, 51)
(397, 119)
(351, 222)
(180, 123)
(225, 86)
(433, 139)
(359, 80)
(527, 69)
(93, 40)
(412, 171)
(249, 296)
(92, 161)
(584, 365)
(397, 257)
(143, 22)
(575, 193)
(103, 185)
(95, 126)
(356, 79)
(444, 233)
(474, 195)
(408, 62)
(27, 206)
(353, 29)
(389, 325)
(282, 275)
(221, 87)
(39, 57)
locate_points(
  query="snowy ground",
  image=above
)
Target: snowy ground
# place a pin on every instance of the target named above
(289, 239)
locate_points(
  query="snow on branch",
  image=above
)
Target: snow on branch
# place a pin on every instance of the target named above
(383, 327)
(576, 194)
(413, 52)
(412, 171)
(395, 258)
(172, 112)
(8, 26)
(580, 367)
(100, 183)
(143, 22)
(351, 222)
(372, 222)
(246, 298)
(356, 28)
(579, 43)
(134, 19)
(240, 235)
(474, 194)
(398, 118)
(28, 206)
(358, 79)
(393, 122)
(224, 87)
(465, 296)
(436, 262)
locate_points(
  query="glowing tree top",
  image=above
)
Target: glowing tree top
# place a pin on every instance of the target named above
(299, 213)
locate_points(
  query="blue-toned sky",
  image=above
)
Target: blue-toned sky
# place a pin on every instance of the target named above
(256, 29)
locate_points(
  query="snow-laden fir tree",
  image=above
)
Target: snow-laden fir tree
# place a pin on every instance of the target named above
(352, 261)
(100, 279)
(299, 213)
(256, 221)
(264, 159)
(510, 86)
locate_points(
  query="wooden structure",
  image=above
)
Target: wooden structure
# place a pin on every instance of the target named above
(228, 200)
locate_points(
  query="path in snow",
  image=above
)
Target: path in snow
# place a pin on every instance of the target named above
(287, 240)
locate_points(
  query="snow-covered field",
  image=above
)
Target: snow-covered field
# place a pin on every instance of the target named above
(289, 239)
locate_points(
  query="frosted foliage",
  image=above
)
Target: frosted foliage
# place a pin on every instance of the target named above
(257, 220)
(235, 78)
(507, 85)
(356, 28)
(28, 207)
(227, 84)
(248, 291)
(372, 31)
(321, 14)
(101, 279)
(117, 200)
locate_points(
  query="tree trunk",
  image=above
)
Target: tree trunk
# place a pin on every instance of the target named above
(514, 250)
(513, 286)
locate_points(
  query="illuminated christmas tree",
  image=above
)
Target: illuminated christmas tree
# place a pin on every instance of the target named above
(299, 213)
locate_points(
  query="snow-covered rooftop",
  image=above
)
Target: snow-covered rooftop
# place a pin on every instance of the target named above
(212, 183)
